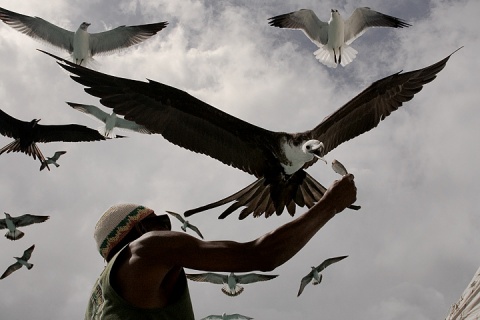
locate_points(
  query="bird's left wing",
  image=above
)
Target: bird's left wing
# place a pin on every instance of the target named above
(180, 118)
(208, 277)
(67, 133)
(305, 280)
(38, 28)
(195, 228)
(130, 125)
(363, 18)
(328, 262)
(366, 110)
(11, 269)
(305, 20)
(237, 316)
(28, 219)
(92, 111)
(176, 215)
(254, 277)
(57, 155)
(122, 37)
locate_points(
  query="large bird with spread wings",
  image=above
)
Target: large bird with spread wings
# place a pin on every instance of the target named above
(277, 159)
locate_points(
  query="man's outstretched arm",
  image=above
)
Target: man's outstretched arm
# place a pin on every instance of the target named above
(166, 249)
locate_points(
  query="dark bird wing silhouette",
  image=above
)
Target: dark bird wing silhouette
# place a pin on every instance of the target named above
(24, 220)
(27, 134)
(197, 126)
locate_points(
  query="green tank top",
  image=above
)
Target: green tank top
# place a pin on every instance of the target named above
(106, 304)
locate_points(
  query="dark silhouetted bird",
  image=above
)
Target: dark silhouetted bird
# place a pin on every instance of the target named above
(80, 44)
(277, 159)
(22, 261)
(27, 134)
(12, 223)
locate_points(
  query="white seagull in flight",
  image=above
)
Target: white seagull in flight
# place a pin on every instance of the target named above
(22, 261)
(335, 36)
(52, 160)
(185, 224)
(81, 44)
(315, 274)
(111, 121)
(231, 281)
(224, 316)
(12, 223)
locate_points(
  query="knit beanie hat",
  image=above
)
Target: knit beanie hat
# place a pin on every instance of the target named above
(116, 223)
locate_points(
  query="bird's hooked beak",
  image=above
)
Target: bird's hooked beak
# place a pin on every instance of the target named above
(317, 151)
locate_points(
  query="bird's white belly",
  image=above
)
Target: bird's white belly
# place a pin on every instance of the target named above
(336, 35)
(81, 47)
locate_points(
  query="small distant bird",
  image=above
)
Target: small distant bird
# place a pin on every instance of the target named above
(111, 121)
(339, 168)
(186, 224)
(26, 134)
(335, 36)
(277, 159)
(315, 273)
(231, 282)
(224, 316)
(12, 223)
(52, 160)
(80, 44)
(23, 261)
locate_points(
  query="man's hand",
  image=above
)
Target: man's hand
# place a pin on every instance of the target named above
(341, 193)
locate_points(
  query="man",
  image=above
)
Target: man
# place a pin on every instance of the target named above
(144, 277)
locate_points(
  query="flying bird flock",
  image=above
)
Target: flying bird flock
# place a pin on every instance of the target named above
(278, 160)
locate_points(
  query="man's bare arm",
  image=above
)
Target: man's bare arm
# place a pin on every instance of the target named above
(167, 248)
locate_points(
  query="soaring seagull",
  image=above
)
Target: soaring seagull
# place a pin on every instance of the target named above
(231, 281)
(277, 159)
(185, 223)
(22, 261)
(52, 160)
(224, 316)
(111, 121)
(27, 134)
(12, 223)
(315, 274)
(335, 36)
(81, 44)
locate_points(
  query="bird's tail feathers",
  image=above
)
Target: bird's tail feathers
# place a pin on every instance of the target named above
(32, 150)
(15, 235)
(326, 56)
(238, 289)
(29, 266)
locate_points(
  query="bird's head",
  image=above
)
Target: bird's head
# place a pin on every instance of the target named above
(334, 12)
(7, 215)
(315, 148)
(34, 122)
(84, 26)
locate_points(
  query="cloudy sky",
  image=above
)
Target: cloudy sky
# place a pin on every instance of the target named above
(412, 248)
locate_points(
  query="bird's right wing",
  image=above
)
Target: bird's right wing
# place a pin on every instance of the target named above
(9, 126)
(57, 155)
(208, 277)
(305, 20)
(28, 219)
(67, 133)
(328, 262)
(180, 118)
(93, 111)
(176, 215)
(28, 253)
(39, 29)
(195, 228)
(131, 125)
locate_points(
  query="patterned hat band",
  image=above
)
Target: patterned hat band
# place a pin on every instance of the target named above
(116, 223)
